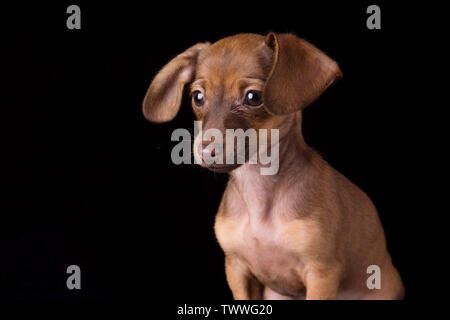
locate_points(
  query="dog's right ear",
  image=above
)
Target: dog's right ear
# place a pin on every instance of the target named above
(300, 74)
(163, 98)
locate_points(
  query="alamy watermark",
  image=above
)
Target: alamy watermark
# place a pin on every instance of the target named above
(374, 280)
(262, 147)
(74, 280)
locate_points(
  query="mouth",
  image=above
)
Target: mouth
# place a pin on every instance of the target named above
(221, 168)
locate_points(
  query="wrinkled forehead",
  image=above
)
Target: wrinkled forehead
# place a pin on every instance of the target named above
(242, 56)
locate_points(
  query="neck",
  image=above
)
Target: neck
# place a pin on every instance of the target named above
(258, 191)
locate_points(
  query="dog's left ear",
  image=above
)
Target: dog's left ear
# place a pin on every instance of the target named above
(300, 74)
(163, 98)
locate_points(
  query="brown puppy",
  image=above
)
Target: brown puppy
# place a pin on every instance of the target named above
(306, 231)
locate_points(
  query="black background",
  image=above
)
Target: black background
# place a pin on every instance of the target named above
(87, 181)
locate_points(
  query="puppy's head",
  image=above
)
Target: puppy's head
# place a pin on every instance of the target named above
(246, 81)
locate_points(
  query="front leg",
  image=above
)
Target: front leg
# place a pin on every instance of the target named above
(242, 282)
(322, 283)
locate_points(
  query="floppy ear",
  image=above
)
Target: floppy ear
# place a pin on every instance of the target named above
(300, 74)
(163, 98)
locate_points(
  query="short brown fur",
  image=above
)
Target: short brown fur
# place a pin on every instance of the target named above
(306, 232)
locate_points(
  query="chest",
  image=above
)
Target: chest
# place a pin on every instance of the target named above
(261, 245)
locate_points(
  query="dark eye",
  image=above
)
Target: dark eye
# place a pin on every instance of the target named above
(198, 98)
(253, 98)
